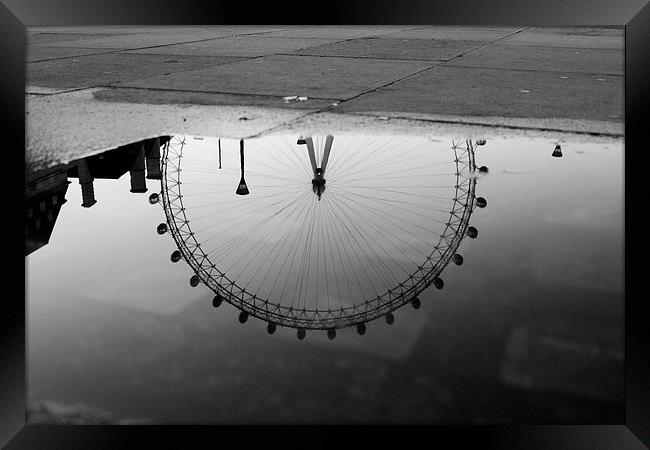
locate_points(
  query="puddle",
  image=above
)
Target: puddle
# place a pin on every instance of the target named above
(336, 278)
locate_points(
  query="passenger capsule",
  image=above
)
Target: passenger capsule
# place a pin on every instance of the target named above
(176, 256)
(483, 169)
(438, 283)
(194, 281)
(472, 232)
(270, 328)
(301, 333)
(557, 152)
(481, 202)
(481, 142)
(390, 319)
(154, 198)
(243, 317)
(331, 334)
(217, 300)
(361, 329)
(416, 303)
(162, 228)
(458, 259)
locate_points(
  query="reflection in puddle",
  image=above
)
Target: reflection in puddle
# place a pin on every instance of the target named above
(334, 234)
(45, 190)
(326, 232)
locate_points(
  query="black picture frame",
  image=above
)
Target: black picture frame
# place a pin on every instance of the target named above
(633, 14)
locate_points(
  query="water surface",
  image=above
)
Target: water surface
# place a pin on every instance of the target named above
(528, 328)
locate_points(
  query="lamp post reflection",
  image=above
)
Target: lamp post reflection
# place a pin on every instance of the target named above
(242, 189)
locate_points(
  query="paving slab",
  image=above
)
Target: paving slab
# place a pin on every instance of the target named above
(130, 29)
(414, 49)
(173, 97)
(466, 33)
(554, 59)
(244, 46)
(37, 53)
(91, 29)
(570, 37)
(501, 93)
(155, 38)
(98, 70)
(337, 31)
(36, 39)
(286, 75)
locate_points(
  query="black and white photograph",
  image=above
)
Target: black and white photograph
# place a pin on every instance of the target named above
(325, 224)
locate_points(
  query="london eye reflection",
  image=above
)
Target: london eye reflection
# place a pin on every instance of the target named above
(391, 221)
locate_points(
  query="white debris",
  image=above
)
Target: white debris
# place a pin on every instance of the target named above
(294, 98)
(525, 91)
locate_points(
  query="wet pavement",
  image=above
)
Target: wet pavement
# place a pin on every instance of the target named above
(526, 78)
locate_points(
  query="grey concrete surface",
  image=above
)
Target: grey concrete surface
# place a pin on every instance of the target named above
(336, 31)
(286, 75)
(156, 38)
(500, 92)
(545, 59)
(570, 37)
(37, 53)
(249, 46)
(504, 79)
(53, 39)
(98, 70)
(448, 32)
(395, 49)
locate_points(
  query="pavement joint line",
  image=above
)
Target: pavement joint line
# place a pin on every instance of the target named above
(53, 33)
(322, 45)
(492, 42)
(434, 66)
(480, 124)
(247, 94)
(258, 56)
(74, 56)
(394, 81)
(505, 44)
(407, 29)
(362, 57)
(63, 91)
(410, 28)
(467, 66)
(123, 50)
(622, 48)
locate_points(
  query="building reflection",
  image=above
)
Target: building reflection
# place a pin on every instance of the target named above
(45, 189)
